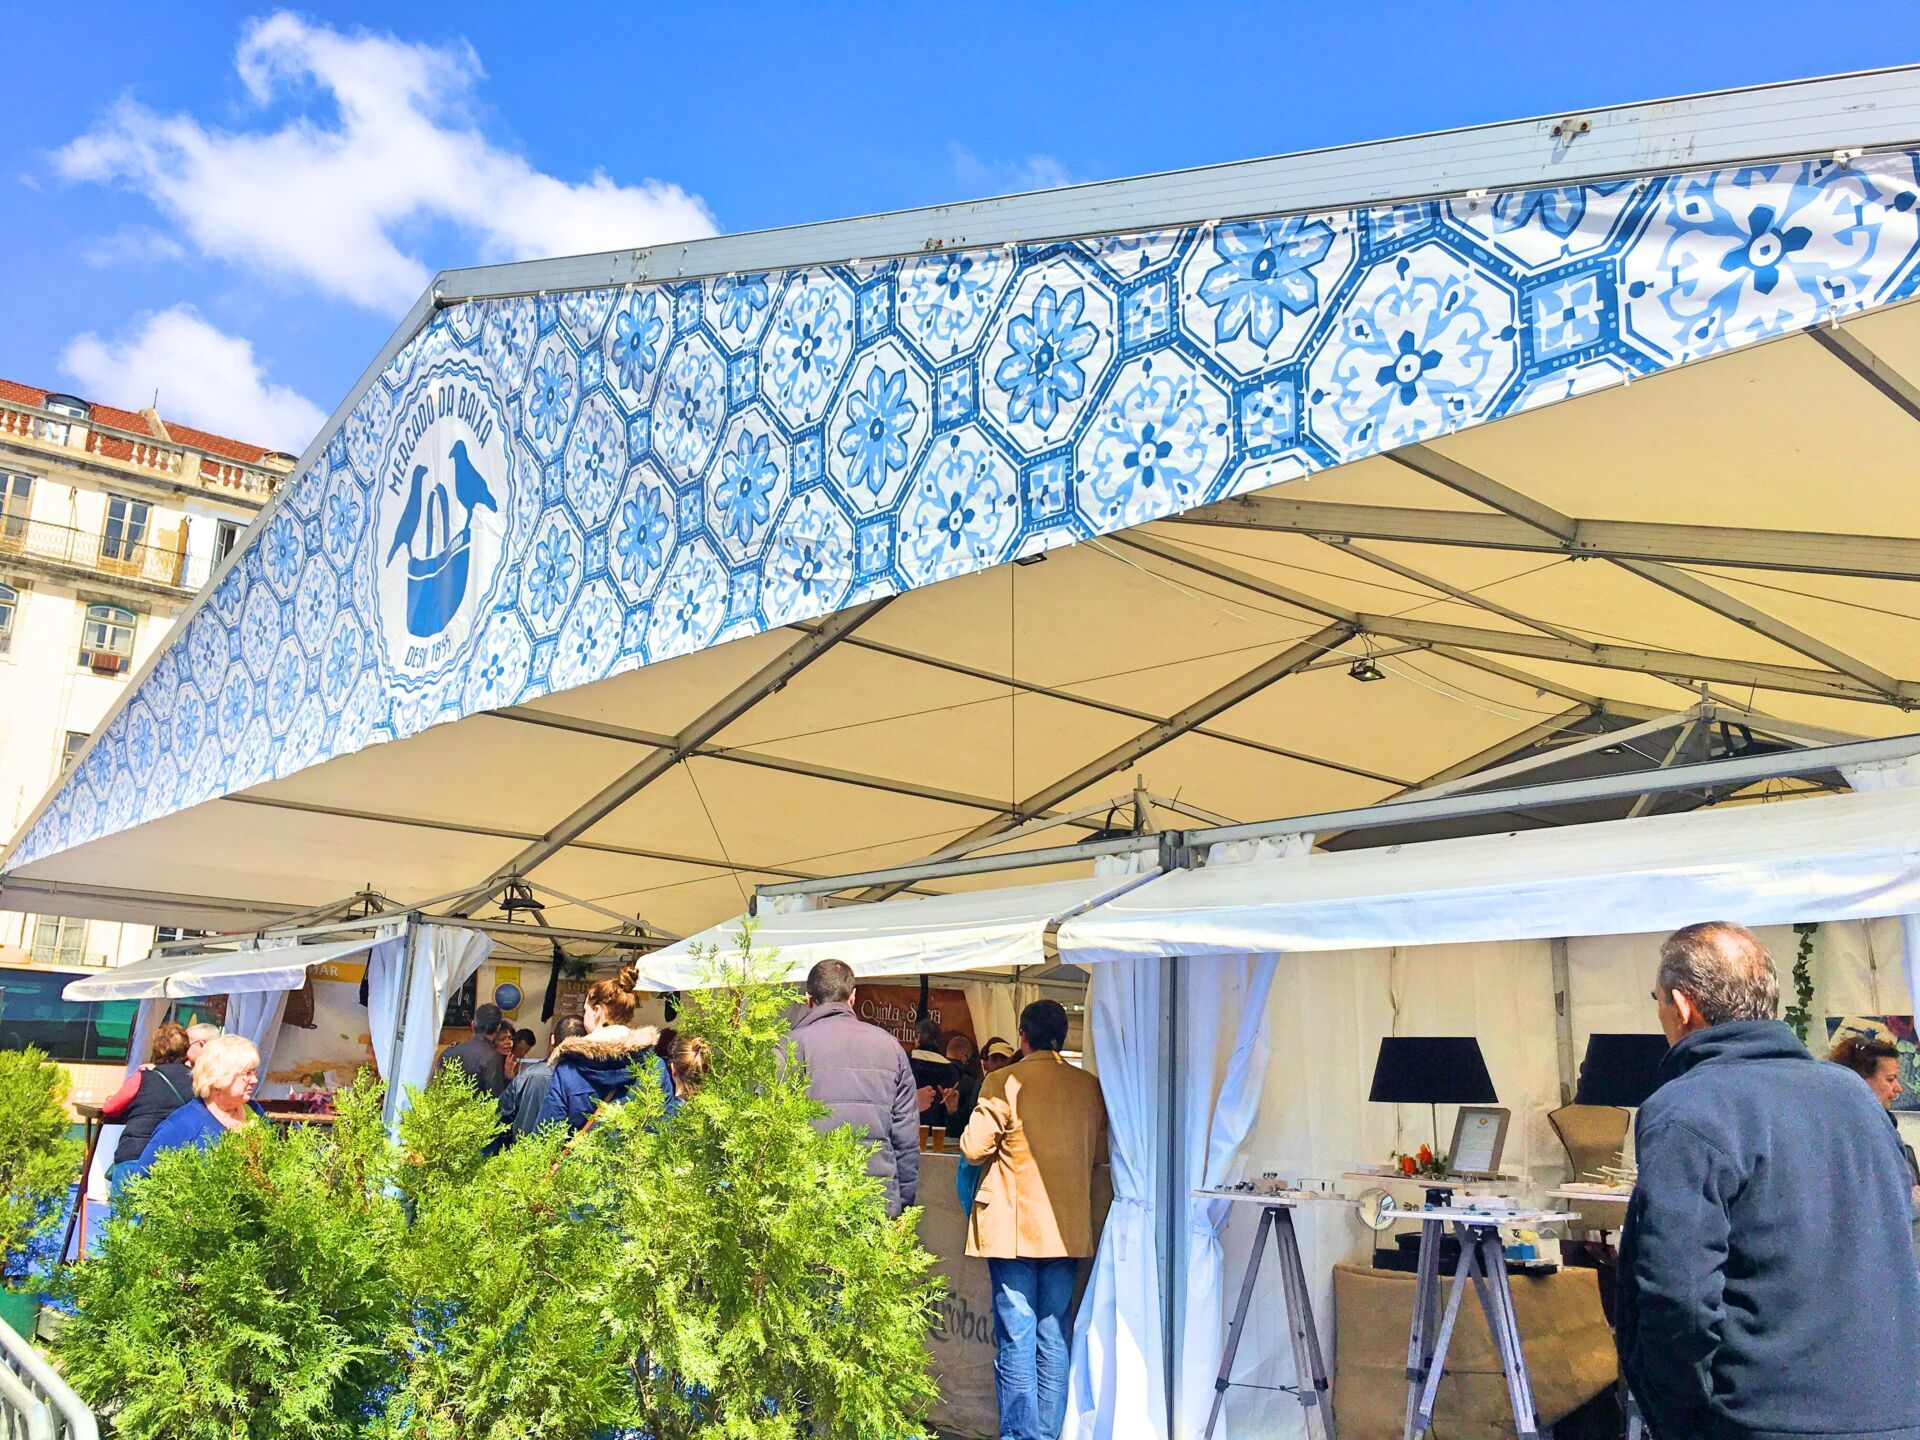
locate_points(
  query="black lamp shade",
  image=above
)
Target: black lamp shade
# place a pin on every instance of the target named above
(1620, 1069)
(1431, 1070)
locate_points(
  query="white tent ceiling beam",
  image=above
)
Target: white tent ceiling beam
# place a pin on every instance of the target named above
(1688, 669)
(1111, 707)
(1712, 774)
(1871, 557)
(1465, 596)
(1443, 470)
(742, 756)
(1680, 736)
(1852, 352)
(471, 896)
(1691, 587)
(710, 722)
(1268, 672)
(1864, 111)
(1573, 749)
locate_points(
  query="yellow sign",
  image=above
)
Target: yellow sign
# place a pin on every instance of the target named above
(350, 971)
(508, 975)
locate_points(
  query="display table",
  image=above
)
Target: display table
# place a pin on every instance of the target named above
(1569, 1351)
(961, 1341)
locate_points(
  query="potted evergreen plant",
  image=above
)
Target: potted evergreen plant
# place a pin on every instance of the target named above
(39, 1161)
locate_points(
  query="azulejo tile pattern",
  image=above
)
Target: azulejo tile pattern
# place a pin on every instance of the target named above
(539, 492)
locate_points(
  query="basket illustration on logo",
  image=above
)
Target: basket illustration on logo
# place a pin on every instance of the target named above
(437, 577)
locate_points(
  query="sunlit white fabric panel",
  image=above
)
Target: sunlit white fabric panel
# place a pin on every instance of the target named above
(1838, 857)
(227, 972)
(933, 934)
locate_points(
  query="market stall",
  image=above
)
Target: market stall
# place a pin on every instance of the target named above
(1302, 485)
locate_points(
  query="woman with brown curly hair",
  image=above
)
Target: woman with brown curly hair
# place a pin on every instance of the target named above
(151, 1094)
(602, 1066)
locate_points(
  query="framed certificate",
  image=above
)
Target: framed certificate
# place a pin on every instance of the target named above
(1479, 1137)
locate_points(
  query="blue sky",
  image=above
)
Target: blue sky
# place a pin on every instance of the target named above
(235, 204)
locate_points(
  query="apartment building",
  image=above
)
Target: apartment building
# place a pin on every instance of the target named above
(110, 521)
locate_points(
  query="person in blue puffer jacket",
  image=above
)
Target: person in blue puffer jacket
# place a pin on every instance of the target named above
(603, 1066)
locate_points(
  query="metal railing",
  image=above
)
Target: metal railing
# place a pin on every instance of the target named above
(21, 538)
(35, 1403)
(159, 458)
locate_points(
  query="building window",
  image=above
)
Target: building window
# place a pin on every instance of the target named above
(126, 528)
(16, 495)
(70, 749)
(9, 611)
(106, 641)
(226, 535)
(72, 406)
(59, 940)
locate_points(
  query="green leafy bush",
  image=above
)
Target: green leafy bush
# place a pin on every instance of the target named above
(248, 1291)
(39, 1161)
(727, 1272)
(755, 1264)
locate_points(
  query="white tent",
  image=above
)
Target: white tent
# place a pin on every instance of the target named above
(1289, 487)
(973, 930)
(167, 975)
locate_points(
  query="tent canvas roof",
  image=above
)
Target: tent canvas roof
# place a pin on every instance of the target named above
(654, 697)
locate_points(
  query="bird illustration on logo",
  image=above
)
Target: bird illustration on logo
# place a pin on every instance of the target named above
(437, 576)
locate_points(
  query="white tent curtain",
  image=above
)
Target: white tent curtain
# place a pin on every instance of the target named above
(1217, 990)
(1223, 995)
(1895, 775)
(1117, 1382)
(994, 1007)
(146, 1019)
(256, 1015)
(385, 971)
(443, 956)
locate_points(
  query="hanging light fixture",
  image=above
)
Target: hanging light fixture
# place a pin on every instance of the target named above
(518, 896)
(1365, 671)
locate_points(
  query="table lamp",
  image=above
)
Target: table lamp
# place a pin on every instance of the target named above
(1431, 1070)
(1620, 1070)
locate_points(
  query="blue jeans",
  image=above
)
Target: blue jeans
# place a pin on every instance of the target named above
(1031, 1299)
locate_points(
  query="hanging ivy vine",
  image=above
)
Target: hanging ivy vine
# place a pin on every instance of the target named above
(1800, 1014)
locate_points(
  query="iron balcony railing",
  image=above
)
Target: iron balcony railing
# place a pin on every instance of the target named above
(142, 453)
(25, 539)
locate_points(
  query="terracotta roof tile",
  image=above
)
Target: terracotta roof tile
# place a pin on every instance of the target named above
(111, 416)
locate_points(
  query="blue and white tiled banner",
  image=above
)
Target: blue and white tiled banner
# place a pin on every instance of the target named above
(539, 493)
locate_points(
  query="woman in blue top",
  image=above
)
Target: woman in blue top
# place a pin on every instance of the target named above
(224, 1078)
(603, 1066)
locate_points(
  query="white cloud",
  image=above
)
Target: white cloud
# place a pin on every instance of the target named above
(135, 242)
(205, 377)
(1006, 177)
(328, 198)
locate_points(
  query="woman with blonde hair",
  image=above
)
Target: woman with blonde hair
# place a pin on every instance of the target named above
(224, 1078)
(688, 1061)
(603, 1066)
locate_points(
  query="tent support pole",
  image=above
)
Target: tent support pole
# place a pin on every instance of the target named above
(1170, 1134)
(1563, 1018)
(394, 1101)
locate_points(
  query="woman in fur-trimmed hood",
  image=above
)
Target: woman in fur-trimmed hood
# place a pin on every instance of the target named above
(602, 1066)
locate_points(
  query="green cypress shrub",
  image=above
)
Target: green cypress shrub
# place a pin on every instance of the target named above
(39, 1160)
(247, 1290)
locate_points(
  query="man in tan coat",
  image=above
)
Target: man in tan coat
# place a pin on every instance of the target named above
(1039, 1128)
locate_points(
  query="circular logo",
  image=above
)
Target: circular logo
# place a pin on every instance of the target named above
(441, 499)
(507, 995)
